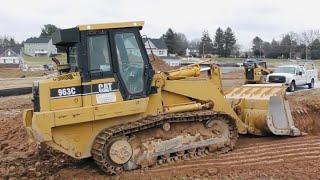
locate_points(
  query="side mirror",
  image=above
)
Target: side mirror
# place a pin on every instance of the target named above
(271, 72)
(300, 73)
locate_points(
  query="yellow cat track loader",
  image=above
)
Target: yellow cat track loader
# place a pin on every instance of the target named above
(255, 71)
(109, 104)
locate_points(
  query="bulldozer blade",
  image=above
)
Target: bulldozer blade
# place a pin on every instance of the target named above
(279, 119)
(263, 108)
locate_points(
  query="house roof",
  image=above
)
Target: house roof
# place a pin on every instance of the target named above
(38, 40)
(159, 43)
(16, 49)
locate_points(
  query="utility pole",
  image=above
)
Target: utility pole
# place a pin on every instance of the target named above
(306, 51)
(260, 51)
(290, 49)
(203, 49)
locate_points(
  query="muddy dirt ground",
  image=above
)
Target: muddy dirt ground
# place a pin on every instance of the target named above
(253, 158)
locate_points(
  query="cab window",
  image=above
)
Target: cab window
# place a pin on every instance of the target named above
(73, 56)
(263, 64)
(130, 61)
(99, 56)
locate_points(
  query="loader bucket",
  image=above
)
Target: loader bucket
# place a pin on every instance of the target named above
(263, 109)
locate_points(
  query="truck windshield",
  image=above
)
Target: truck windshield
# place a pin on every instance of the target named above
(290, 70)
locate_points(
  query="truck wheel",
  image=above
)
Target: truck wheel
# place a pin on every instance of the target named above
(311, 84)
(292, 87)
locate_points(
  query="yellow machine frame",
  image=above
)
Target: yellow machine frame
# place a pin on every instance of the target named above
(71, 124)
(259, 72)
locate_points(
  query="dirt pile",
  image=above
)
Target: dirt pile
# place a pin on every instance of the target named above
(43, 162)
(305, 109)
(13, 137)
(159, 64)
(20, 156)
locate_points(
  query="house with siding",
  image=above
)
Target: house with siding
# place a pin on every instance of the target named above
(157, 46)
(41, 46)
(11, 56)
(192, 52)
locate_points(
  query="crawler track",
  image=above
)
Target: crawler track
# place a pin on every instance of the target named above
(106, 135)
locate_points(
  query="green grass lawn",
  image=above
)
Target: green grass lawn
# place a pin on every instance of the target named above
(44, 60)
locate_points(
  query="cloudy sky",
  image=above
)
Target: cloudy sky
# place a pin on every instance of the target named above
(248, 18)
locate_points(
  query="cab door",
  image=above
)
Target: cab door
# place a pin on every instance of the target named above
(303, 76)
(101, 87)
(131, 64)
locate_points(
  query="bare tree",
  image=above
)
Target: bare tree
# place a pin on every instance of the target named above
(307, 37)
(194, 44)
(236, 50)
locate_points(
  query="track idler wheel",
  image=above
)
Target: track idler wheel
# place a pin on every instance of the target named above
(119, 151)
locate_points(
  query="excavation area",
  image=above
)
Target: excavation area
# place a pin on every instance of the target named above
(253, 158)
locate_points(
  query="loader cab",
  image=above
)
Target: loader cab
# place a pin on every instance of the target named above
(249, 66)
(254, 70)
(250, 63)
(113, 50)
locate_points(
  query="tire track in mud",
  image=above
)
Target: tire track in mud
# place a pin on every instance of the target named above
(268, 149)
(272, 152)
(314, 155)
(255, 154)
(278, 140)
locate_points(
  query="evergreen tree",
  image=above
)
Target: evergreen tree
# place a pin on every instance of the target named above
(170, 39)
(206, 45)
(177, 43)
(229, 42)
(219, 42)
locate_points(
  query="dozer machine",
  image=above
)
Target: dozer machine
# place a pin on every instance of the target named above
(108, 103)
(255, 71)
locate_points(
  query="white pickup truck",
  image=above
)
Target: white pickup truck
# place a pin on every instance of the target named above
(294, 75)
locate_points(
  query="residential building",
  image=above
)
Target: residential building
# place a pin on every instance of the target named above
(11, 57)
(157, 46)
(192, 52)
(173, 61)
(39, 47)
